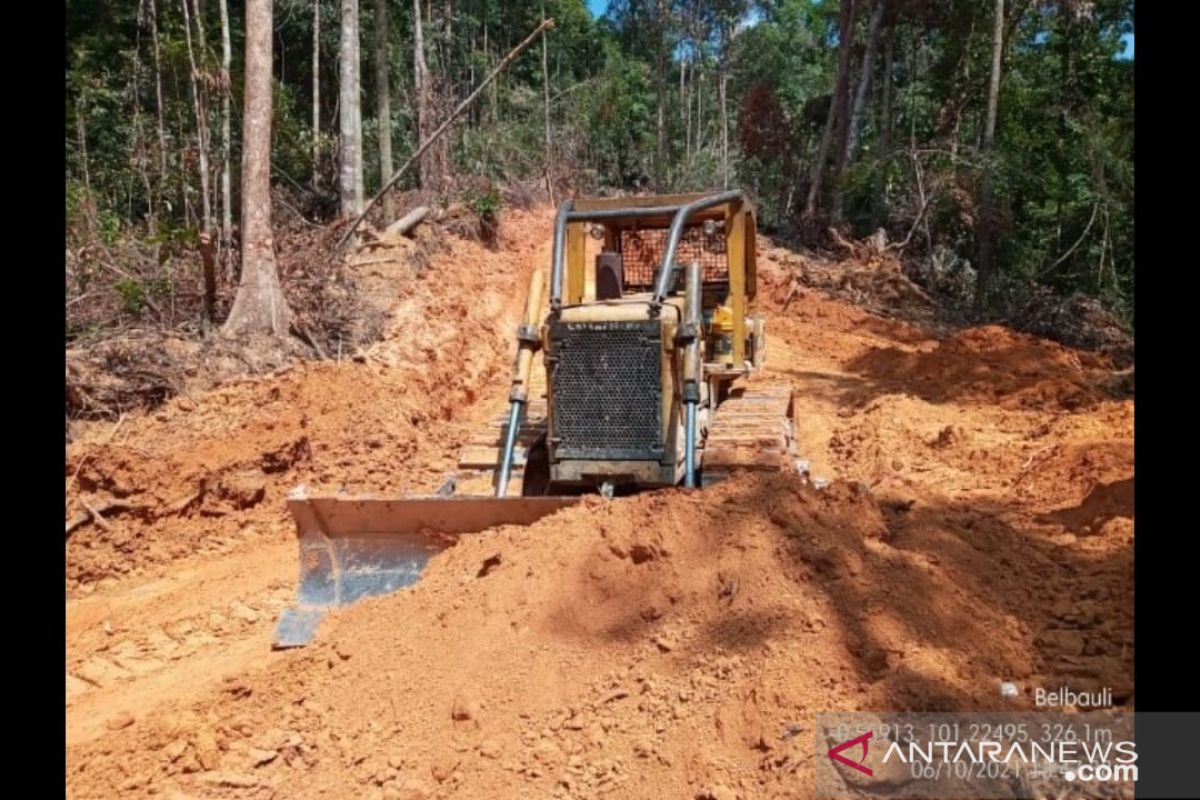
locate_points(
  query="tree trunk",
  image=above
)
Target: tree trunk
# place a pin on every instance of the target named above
(841, 84)
(546, 111)
(383, 105)
(350, 163)
(854, 121)
(885, 124)
(493, 96)
(200, 107)
(260, 306)
(152, 12)
(687, 109)
(226, 145)
(81, 138)
(864, 81)
(316, 95)
(660, 87)
(885, 113)
(426, 169)
(721, 78)
(985, 267)
(412, 219)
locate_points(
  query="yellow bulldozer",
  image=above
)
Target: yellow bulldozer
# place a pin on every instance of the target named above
(648, 348)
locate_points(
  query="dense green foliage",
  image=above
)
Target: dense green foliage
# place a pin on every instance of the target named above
(1062, 166)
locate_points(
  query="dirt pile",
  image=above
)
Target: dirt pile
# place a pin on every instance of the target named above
(670, 645)
(865, 277)
(1076, 321)
(993, 364)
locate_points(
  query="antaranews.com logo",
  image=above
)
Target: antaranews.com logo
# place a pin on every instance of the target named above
(1010, 755)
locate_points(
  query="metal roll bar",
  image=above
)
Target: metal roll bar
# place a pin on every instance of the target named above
(681, 214)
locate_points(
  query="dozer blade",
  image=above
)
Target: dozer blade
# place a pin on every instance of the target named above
(355, 547)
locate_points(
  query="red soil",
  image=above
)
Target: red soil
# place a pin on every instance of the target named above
(978, 529)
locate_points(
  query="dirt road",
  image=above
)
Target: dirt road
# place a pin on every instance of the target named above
(978, 529)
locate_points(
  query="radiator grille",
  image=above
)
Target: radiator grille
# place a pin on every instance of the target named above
(642, 252)
(606, 390)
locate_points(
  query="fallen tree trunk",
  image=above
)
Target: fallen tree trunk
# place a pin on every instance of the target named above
(412, 219)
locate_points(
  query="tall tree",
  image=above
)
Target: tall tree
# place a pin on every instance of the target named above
(660, 90)
(151, 12)
(845, 156)
(259, 306)
(729, 15)
(383, 105)
(549, 165)
(985, 267)
(885, 112)
(200, 108)
(316, 95)
(836, 106)
(722, 80)
(226, 144)
(350, 162)
(426, 169)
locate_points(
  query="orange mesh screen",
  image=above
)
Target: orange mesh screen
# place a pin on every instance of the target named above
(642, 252)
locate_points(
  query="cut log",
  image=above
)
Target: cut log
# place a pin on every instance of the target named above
(412, 219)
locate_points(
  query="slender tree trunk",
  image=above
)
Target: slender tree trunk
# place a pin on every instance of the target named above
(721, 80)
(885, 113)
(986, 267)
(845, 156)
(864, 81)
(686, 100)
(443, 96)
(350, 163)
(959, 94)
(138, 153)
(660, 86)
(185, 187)
(383, 105)
(199, 105)
(682, 84)
(493, 90)
(885, 123)
(426, 169)
(260, 306)
(316, 95)
(81, 138)
(226, 145)
(684, 108)
(836, 105)
(546, 111)
(152, 19)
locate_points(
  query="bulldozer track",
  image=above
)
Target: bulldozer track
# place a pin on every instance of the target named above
(479, 459)
(753, 430)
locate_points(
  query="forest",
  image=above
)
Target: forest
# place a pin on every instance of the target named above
(990, 140)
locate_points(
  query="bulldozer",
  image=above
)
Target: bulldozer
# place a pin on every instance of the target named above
(649, 355)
